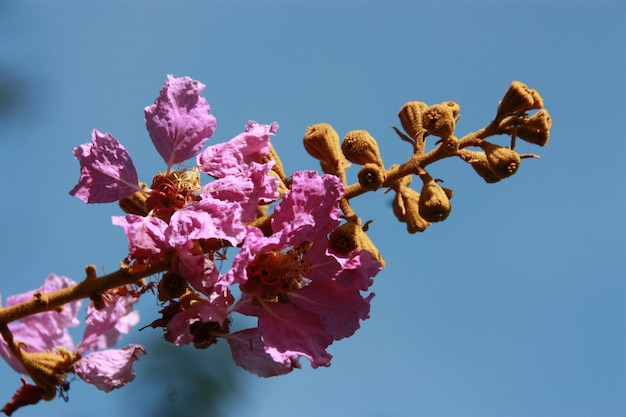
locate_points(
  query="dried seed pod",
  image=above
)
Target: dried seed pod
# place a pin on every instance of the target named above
(350, 237)
(322, 142)
(411, 117)
(455, 107)
(371, 177)
(434, 204)
(518, 98)
(439, 120)
(406, 209)
(478, 161)
(535, 129)
(361, 148)
(503, 162)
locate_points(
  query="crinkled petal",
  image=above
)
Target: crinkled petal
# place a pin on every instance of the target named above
(179, 122)
(249, 353)
(310, 210)
(209, 218)
(105, 327)
(146, 236)
(287, 329)
(236, 155)
(107, 172)
(340, 309)
(109, 369)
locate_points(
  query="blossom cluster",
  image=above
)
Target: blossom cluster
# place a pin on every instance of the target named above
(303, 294)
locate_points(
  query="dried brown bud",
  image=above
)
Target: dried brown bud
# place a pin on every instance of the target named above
(439, 120)
(405, 207)
(455, 107)
(503, 162)
(350, 237)
(434, 204)
(411, 117)
(361, 148)
(48, 369)
(518, 98)
(322, 142)
(136, 202)
(535, 129)
(371, 177)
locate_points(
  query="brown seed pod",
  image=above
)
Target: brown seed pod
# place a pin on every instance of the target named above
(361, 148)
(406, 209)
(371, 177)
(439, 120)
(411, 117)
(518, 98)
(478, 161)
(535, 129)
(350, 237)
(322, 142)
(434, 204)
(503, 162)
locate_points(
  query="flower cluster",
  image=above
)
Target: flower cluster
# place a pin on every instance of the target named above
(303, 265)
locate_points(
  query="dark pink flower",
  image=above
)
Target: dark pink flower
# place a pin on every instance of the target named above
(249, 352)
(179, 122)
(146, 236)
(107, 172)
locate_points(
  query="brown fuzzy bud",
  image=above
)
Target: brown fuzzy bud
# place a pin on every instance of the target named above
(350, 237)
(411, 117)
(503, 162)
(535, 129)
(406, 209)
(371, 177)
(439, 120)
(434, 204)
(518, 98)
(322, 142)
(136, 202)
(48, 369)
(361, 148)
(455, 107)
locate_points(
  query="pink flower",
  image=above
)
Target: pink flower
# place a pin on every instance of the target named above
(146, 236)
(109, 369)
(107, 172)
(179, 122)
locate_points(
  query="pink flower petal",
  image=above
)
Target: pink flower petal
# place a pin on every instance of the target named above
(249, 353)
(106, 171)
(146, 236)
(339, 308)
(291, 330)
(109, 369)
(179, 122)
(236, 155)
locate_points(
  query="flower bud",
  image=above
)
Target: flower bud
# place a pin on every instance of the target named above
(350, 237)
(136, 202)
(503, 162)
(322, 142)
(439, 120)
(411, 117)
(434, 204)
(371, 177)
(361, 148)
(405, 207)
(455, 107)
(535, 129)
(518, 98)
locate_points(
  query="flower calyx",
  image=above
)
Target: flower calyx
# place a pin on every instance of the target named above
(350, 237)
(361, 148)
(406, 208)
(321, 141)
(518, 99)
(48, 370)
(434, 200)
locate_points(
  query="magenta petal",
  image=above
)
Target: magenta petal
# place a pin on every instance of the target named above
(249, 353)
(287, 329)
(236, 155)
(310, 210)
(107, 172)
(109, 369)
(105, 327)
(339, 308)
(179, 122)
(146, 236)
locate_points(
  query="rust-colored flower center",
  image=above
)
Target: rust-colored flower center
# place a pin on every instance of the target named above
(272, 274)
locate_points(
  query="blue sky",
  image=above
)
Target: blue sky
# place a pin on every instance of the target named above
(514, 306)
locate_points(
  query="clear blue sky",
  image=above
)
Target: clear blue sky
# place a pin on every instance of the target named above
(514, 306)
